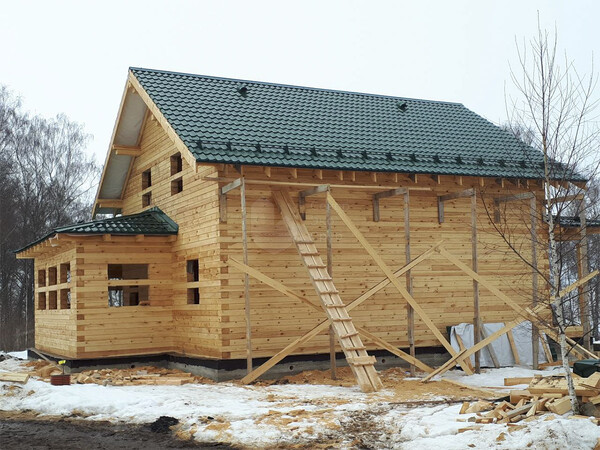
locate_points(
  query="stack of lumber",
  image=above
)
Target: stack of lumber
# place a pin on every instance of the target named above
(146, 375)
(544, 394)
(14, 377)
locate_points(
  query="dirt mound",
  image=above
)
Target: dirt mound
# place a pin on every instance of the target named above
(163, 424)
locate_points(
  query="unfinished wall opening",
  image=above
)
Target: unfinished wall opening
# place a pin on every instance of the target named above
(51, 276)
(146, 199)
(176, 186)
(193, 276)
(65, 299)
(128, 296)
(52, 300)
(41, 277)
(41, 303)
(128, 271)
(146, 179)
(65, 273)
(120, 292)
(176, 163)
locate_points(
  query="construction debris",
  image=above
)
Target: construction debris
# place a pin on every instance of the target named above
(146, 375)
(544, 394)
(14, 377)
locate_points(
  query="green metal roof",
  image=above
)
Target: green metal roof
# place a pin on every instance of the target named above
(246, 122)
(150, 222)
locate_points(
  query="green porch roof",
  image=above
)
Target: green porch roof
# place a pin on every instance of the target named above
(246, 122)
(152, 222)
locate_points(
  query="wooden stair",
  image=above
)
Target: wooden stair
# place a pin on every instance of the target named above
(360, 362)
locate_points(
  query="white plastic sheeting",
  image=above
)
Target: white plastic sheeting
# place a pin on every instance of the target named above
(501, 346)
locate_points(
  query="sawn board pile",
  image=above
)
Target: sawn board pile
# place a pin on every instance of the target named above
(544, 394)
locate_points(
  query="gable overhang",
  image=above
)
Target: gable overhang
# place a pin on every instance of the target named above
(135, 108)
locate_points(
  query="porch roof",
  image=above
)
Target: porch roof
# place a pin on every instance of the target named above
(153, 221)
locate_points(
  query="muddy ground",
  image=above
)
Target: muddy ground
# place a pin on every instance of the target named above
(22, 431)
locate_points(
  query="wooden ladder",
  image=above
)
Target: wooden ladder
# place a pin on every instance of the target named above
(360, 362)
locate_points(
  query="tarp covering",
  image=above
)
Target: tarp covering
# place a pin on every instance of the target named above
(501, 346)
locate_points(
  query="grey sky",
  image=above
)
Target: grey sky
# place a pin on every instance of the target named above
(72, 56)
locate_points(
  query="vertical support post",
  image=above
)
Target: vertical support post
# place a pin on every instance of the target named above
(246, 279)
(330, 271)
(583, 270)
(476, 316)
(535, 346)
(410, 312)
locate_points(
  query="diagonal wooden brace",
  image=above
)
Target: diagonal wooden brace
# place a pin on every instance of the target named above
(527, 313)
(389, 274)
(324, 325)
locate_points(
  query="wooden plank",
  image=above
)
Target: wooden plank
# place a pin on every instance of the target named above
(394, 350)
(246, 278)
(447, 365)
(514, 381)
(477, 325)
(461, 346)
(127, 151)
(515, 306)
(332, 360)
(410, 312)
(513, 347)
(365, 187)
(490, 349)
(14, 377)
(386, 270)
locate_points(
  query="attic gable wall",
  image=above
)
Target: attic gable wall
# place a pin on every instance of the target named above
(196, 328)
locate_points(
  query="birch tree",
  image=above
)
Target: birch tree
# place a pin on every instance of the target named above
(555, 106)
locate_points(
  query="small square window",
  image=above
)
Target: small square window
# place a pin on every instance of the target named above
(51, 276)
(41, 277)
(146, 179)
(146, 199)
(193, 296)
(176, 163)
(65, 299)
(41, 300)
(176, 186)
(128, 296)
(65, 273)
(52, 300)
(192, 270)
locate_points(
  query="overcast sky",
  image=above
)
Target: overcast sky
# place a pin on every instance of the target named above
(72, 56)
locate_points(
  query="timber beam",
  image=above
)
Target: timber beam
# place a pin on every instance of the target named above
(123, 150)
(509, 198)
(444, 198)
(307, 193)
(385, 194)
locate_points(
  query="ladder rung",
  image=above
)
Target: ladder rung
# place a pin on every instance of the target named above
(357, 349)
(349, 335)
(316, 266)
(341, 319)
(304, 242)
(335, 306)
(309, 253)
(323, 279)
(328, 292)
(361, 360)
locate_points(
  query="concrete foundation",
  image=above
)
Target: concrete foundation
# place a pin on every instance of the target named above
(224, 370)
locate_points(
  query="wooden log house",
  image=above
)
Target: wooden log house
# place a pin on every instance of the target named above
(253, 220)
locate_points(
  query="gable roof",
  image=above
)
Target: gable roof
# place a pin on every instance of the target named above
(246, 122)
(152, 222)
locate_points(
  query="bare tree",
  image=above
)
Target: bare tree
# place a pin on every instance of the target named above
(47, 181)
(554, 113)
